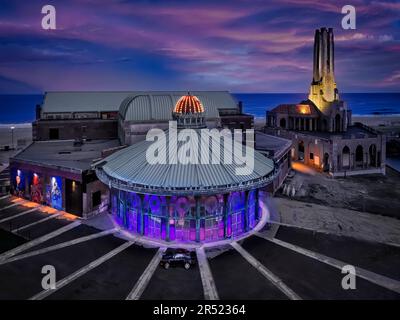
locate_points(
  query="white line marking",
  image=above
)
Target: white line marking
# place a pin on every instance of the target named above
(17, 203)
(207, 279)
(328, 232)
(34, 242)
(4, 197)
(383, 281)
(82, 271)
(144, 279)
(266, 273)
(59, 246)
(20, 214)
(53, 216)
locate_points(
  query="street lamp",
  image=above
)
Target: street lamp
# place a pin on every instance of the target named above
(12, 137)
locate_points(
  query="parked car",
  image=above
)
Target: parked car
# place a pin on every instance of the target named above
(178, 257)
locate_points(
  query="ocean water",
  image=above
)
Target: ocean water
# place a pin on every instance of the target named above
(18, 108)
(359, 103)
(21, 108)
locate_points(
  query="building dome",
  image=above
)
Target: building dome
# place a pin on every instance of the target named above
(188, 104)
(189, 112)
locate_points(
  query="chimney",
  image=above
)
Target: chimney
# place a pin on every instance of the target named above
(316, 71)
(331, 60)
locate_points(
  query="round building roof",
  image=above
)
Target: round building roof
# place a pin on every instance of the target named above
(130, 170)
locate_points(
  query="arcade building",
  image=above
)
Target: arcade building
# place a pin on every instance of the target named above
(88, 157)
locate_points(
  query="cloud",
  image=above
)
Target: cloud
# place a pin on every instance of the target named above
(236, 45)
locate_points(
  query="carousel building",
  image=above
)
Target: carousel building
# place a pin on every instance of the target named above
(179, 202)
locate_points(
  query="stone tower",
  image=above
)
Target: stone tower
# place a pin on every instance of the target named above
(323, 91)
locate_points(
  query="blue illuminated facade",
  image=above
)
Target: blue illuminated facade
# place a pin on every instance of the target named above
(187, 218)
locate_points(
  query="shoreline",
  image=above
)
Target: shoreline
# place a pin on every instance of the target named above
(16, 125)
(375, 117)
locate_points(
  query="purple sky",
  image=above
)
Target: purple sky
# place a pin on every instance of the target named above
(241, 46)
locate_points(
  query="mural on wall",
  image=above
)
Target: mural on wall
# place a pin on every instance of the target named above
(36, 188)
(56, 192)
(18, 180)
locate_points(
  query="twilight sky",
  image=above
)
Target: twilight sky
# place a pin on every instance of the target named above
(236, 45)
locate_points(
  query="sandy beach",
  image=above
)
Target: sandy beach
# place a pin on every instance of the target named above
(22, 134)
(390, 120)
(22, 137)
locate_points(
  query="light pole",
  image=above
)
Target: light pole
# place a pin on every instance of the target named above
(12, 137)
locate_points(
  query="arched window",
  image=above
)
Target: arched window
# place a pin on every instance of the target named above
(326, 162)
(346, 157)
(300, 150)
(338, 123)
(282, 123)
(324, 125)
(359, 154)
(372, 155)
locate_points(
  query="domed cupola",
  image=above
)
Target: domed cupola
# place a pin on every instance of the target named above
(189, 112)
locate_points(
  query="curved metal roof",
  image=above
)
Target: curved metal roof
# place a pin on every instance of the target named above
(157, 105)
(83, 101)
(129, 170)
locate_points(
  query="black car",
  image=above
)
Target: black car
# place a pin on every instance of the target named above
(178, 257)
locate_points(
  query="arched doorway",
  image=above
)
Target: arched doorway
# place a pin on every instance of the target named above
(337, 123)
(346, 157)
(300, 151)
(359, 156)
(282, 123)
(372, 155)
(326, 162)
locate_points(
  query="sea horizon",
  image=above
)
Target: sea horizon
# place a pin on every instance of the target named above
(257, 103)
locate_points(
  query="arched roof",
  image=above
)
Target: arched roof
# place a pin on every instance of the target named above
(158, 105)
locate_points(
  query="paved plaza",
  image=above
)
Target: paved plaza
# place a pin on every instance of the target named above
(101, 264)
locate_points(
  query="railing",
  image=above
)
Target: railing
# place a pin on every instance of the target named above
(126, 186)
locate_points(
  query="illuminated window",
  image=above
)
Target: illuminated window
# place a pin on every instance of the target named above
(303, 108)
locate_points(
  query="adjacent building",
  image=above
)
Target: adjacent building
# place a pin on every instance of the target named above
(58, 174)
(321, 127)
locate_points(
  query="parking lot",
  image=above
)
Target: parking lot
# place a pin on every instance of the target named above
(101, 264)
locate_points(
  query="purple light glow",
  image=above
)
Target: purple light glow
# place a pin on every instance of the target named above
(179, 220)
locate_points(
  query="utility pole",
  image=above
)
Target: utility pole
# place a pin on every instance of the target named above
(12, 137)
